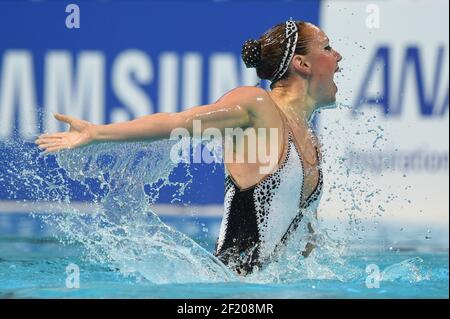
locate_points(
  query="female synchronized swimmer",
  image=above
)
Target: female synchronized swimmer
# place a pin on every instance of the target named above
(260, 211)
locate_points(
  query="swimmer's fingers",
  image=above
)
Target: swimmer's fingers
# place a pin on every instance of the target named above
(53, 149)
(63, 118)
(50, 135)
(46, 145)
(44, 138)
(52, 144)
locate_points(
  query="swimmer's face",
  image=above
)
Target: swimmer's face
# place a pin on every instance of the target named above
(320, 65)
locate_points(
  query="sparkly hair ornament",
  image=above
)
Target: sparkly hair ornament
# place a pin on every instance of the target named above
(291, 37)
(251, 53)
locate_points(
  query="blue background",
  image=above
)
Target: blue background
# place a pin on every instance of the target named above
(112, 27)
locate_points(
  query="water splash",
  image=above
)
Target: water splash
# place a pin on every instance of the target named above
(410, 270)
(133, 239)
(119, 229)
(350, 167)
(326, 261)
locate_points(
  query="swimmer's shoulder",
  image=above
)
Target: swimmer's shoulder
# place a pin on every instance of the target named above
(255, 99)
(244, 93)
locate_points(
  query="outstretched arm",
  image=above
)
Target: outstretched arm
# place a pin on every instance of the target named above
(231, 111)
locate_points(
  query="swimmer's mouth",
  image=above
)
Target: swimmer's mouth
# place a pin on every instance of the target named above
(338, 69)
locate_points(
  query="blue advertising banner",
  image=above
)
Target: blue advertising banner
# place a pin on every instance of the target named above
(114, 61)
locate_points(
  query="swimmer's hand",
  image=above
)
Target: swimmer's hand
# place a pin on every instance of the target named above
(80, 133)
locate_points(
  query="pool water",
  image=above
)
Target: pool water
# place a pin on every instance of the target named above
(36, 268)
(122, 248)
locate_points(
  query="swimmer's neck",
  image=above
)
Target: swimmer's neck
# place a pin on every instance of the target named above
(295, 102)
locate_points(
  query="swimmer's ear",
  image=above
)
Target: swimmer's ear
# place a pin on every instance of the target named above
(301, 65)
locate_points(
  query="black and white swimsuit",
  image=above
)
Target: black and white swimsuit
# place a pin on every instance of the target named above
(259, 219)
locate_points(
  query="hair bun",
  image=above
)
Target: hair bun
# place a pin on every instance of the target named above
(251, 53)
